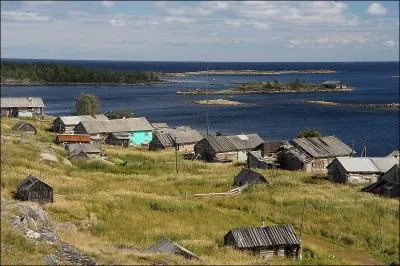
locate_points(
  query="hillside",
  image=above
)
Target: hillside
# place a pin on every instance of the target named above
(139, 203)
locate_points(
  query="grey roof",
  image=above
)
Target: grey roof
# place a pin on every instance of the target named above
(395, 153)
(302, 156)
(84, 147)
(29, 182)
(117, 125)
(77, 152)
(384, 164)
(235, 142)
(164, 138)
(120, 135)
(257, 155)
(159, 125)
(184, 136)
(24, 126)
(329, 146)
(332, 82)
(165, 245)
(357, 165)
(264, 236)
(247, 176)
(383, 187)
(21, 102)
(76, 119)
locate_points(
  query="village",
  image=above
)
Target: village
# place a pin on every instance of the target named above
(88, 138)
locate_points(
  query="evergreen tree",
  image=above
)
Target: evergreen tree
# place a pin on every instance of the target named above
(87, 104)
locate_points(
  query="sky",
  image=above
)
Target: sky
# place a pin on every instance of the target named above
(229, 31)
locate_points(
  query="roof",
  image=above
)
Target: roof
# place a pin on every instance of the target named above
(164, 138)
(117, 125)
(257, 155)
(76, 119)
(24, 126)
(249, 176)
(383, 187)
(21, 102)
(184, 136)
(264, 236)
(159, 125)
(73, 138)
(331, 82)
(384, 164)
(395, 153)
(120, 135)
(28, 182)
(367, 165)
(84, 147)
(329, 146)
(76, 152)
(302, 156)
(165, 245)
(235, 142)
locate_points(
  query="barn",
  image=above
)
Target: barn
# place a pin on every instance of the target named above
(165, 245)
(250, 177)
(228, 148)
(31, 188)
(21, 106)
(312, 154)
(168, 138)
(24, 127)
(66, 124)
(388, 185)
(267, 241)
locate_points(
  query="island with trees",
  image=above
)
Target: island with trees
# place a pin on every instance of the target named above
(295, 86)
(249, 72)
(60, 74)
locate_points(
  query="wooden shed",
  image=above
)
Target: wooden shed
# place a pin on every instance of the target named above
(165, 245)
(72, 138)
(21, 106)
(247, 176)
(169, 138)
(66, 124)
(24, 127)
(267, 241)
(91, 150)
(255, 160)
(31, 188)
(388, 185)
(118, 139)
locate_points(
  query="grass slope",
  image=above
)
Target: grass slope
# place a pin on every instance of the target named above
(139, 203)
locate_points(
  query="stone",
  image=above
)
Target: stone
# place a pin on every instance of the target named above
(34, 211)
(52, 259)
(32, 234)
(48, 157)
(65, 161)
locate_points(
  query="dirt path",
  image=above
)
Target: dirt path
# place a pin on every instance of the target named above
(348, 255)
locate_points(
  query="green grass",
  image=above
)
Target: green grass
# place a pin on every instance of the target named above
(146, 199)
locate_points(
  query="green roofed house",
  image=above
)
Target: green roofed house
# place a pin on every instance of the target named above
(138, 129)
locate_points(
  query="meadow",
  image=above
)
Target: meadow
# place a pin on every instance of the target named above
(139, 203)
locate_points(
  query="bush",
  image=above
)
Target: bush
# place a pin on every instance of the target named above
(87, 104)
(348, 240)
(309, 133)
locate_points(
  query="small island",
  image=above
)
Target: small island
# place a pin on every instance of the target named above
(218, 102)
(360, 105)
(249, 72)
(296, 86)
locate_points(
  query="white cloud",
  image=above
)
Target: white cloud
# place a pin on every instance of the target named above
(117, 22)
(24, 16)
(174, 19)
(107, 3)
(35, 3)
(376, 9)
(244, 23)
(390, 44)
(211, 7)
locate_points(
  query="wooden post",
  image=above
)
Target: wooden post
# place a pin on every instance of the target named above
(176, 156)
(302, 216)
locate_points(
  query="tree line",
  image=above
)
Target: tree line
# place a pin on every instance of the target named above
(58, 73)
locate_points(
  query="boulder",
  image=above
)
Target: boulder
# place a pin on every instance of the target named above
(48, 157)
(32, 234)
(65, 161)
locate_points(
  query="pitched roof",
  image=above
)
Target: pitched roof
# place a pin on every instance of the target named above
(367, 165)
(395, 153)
(24, 126)
(76, 119)
(29, 182)
(384, 164)
(184, 136)
(164, 138)
(84, 147)
(383, 187)
(21, 102)
(73, 138)
(165, 245)
(249, 176)
(234, 142)
(117, 125)
(159, 125)
(264, 236)
(302, 156)
(329, 146)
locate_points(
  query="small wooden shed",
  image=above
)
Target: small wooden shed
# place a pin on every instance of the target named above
(24, 127)
(388, 185)
(267, 241)
(118, 139)
(165, 245)
(255, 160)
(31, 188)
(247, 176)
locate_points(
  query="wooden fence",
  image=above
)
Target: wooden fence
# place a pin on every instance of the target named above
(222, 194)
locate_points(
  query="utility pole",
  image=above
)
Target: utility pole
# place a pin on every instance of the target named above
(207, 105)
(176, 156)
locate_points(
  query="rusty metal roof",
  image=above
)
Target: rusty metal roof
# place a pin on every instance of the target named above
(73, 138)
(322, 147)
(24, 102)
(165, 245)
(264, 236)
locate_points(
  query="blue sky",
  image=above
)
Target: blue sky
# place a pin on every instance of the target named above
(201, 31)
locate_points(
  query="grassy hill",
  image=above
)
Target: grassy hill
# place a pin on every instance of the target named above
(139, 203)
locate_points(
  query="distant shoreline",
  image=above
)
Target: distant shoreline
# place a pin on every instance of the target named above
(368, 105)
(28, 84)
(218, 102)
(248, 72)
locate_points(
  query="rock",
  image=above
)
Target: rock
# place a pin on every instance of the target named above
(49, 237)
(48, 157)
(34, 211)
(52, 260)
(31, 224)
(66, 226)
(74, 257)
(32, 234)
(65, 161)
(19, 221)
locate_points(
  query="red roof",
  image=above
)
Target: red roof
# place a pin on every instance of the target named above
(73, 138)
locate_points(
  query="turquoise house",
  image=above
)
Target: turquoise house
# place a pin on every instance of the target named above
(136, 131)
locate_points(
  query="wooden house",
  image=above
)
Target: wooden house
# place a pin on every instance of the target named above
(334, 84)
(21, 106)
(66, 124)
(31, 188)
(167, 246)
(227, 148)
(247, 176)
(169, 138)
(388, 185)
(118, 139)
(270, 148)
(359, 169)
(72, 138)
(255, 160)
(139, 129)
(24, 127)
(312, 154)
(267, 241)
(84, 150)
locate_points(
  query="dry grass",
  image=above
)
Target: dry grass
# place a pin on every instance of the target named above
(139, 203)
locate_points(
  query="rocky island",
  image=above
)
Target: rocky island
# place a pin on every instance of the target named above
(218, 102)
(249, 72)
(295, 86)
(363, 105)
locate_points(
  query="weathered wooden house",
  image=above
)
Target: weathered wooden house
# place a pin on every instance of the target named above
(250, 177)
(267, 241)
(270, 148)
(388, 185)
(228, 148)
(24, 127)
(359, 169)
(165, 245)
(21, 106)
(334, 84)
(255, 160)
(169, 138)
(72, 138)
(118, 139)
(312, 154)
(84, 150)
(139, 129)
(31, 188)
(66, 124)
